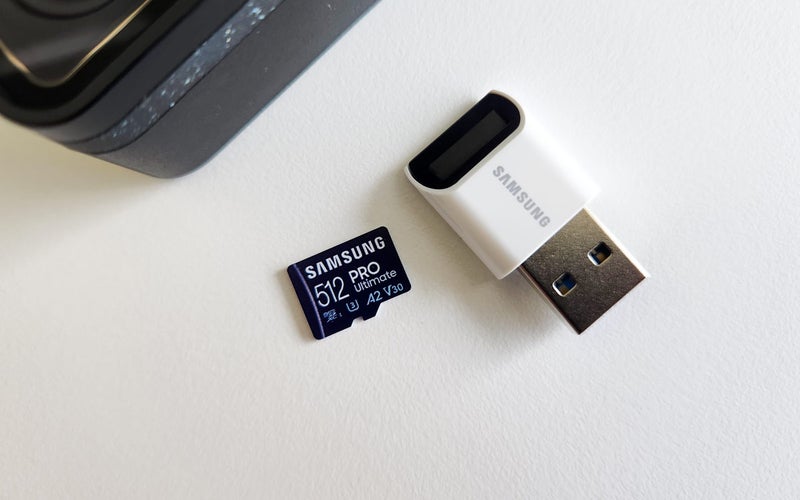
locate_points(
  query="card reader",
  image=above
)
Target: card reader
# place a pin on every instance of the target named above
(517, 200)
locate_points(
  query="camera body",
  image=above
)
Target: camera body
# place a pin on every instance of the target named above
(157, 86)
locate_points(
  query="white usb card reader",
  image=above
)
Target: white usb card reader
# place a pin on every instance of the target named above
(518, 201)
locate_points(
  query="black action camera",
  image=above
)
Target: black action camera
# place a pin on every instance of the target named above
(156, 85)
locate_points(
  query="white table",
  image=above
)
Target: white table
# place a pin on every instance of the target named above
(151, 345)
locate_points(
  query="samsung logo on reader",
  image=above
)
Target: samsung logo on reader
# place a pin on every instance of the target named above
(521, 196)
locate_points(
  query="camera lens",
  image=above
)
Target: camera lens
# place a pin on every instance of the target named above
(63, 8)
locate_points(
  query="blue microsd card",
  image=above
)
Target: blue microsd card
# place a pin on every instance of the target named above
(348, 281)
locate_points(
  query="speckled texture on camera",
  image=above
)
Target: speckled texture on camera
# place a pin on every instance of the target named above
(166, 95)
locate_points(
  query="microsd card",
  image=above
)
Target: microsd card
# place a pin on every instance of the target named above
(348, 281)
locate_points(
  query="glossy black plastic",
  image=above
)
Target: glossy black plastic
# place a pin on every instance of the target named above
(424, 168)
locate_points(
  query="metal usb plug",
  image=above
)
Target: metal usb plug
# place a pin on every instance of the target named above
(582, 271)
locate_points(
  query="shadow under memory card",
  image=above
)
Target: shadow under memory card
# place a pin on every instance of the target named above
(348, 281)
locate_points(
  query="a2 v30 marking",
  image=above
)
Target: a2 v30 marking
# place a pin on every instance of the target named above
(388, 290)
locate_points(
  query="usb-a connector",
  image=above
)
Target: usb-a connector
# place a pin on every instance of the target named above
(582, 270)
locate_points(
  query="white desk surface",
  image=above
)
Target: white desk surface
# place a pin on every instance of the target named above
(151, 345)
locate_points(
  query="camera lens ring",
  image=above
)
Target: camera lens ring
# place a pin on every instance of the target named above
(63, 8)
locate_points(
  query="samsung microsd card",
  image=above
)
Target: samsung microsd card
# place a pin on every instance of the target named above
(348, 281)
